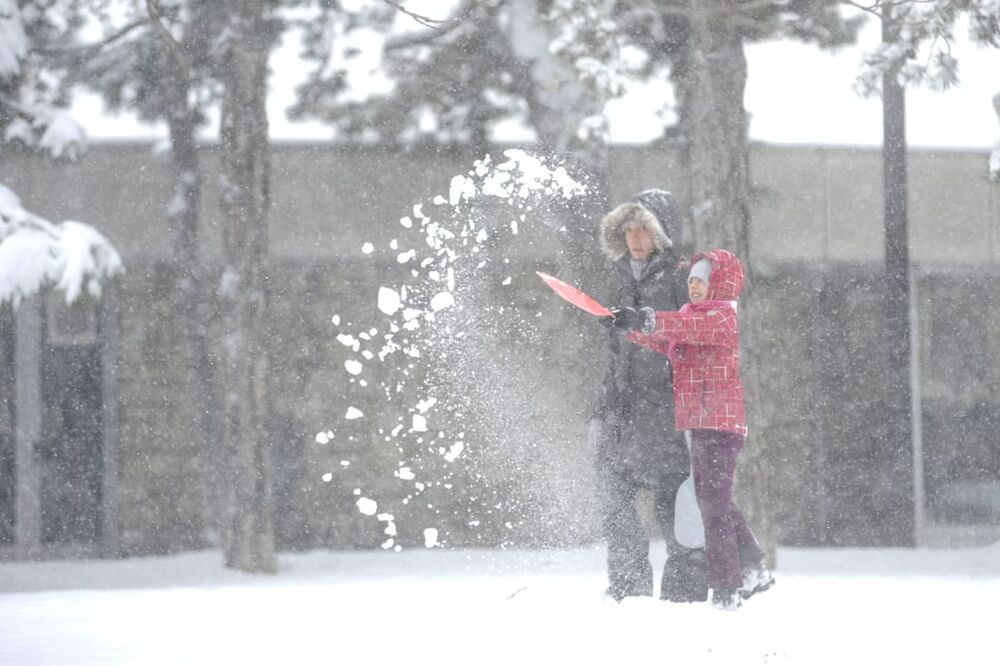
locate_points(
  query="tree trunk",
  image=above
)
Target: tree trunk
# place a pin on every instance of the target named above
(184, 220)
(248, 528)
(717, 155)
(897, 505)
(8, 428)
(557, 105)
(994, 161)
(713, 77)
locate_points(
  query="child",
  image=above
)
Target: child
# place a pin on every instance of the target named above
(702, 342)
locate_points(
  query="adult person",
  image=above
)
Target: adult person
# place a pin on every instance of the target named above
(632, 426)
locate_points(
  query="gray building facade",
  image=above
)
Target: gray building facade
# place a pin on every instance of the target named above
(98, 455)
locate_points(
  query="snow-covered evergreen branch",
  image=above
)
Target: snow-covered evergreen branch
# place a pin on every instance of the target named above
(28, 111)
(35, 253)
(921, 49)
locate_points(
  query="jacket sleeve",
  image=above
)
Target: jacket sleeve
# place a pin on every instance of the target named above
(716, 327)
(658, 345)
(607, 403)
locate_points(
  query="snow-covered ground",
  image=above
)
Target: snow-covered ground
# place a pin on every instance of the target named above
(837, 607)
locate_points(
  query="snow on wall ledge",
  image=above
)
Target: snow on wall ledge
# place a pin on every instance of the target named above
(34, 253)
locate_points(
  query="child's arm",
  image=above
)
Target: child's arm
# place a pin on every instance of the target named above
(717, 326)
(649, 342)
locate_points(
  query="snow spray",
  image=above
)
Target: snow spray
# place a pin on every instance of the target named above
(459, 365)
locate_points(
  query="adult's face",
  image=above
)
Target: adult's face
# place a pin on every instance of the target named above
(639, 241)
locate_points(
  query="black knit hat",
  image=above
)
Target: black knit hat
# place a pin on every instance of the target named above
(664, 206)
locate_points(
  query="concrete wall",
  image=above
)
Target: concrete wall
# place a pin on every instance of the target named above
(834, 475)
(533, 472)
(810, 203)
(817, 242)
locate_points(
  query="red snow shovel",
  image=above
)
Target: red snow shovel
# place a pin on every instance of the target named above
(575, 296)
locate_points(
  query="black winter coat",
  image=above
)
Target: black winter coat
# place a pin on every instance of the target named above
(636, 399)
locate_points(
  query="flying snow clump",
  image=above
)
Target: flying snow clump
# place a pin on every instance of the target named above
(419, 423)
(454, 451)
(442, 300)
(389, 301)
(367, 506)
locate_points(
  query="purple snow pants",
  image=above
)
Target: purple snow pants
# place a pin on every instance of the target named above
(727, 537)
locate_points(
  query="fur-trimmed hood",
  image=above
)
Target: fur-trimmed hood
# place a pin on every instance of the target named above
(654, 210)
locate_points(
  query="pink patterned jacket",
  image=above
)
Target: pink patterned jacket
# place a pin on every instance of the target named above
(703, 343)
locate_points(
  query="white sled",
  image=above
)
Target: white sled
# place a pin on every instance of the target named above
(689, 529)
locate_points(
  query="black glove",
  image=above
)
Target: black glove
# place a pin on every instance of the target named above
(630, 319)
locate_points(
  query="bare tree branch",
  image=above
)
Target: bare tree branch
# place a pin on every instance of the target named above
(89, 49)
(176, 48)
(446, 26)
(433, 24)
(661, 7)
(668, 8)
(745, 6)
(871, 9)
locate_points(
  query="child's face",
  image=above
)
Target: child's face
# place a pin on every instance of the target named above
(697, 290)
